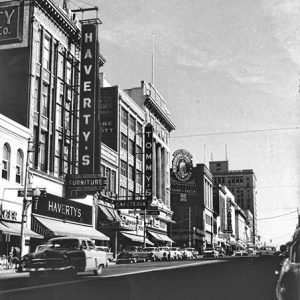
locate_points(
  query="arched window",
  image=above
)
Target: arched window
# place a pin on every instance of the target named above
(19, 166)
(5, 161)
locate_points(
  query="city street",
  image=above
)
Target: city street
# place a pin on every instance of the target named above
(228, 278)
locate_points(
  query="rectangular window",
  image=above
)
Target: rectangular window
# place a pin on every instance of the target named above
(67, 116)
(102, 170)
(46, 53)
(107, 176)
(44, 103)
(123, 193)
(132, 123)
(36, 94)
(69, 73)
(139, 177)
(43, 151)
(131, 147)
(60, 66)
(139, 129)
(124, 141)
(124, 116)
(113, 181)
(139, 154)
(18, 174)
(123, 168)
(131, 172)
(38, 47)
(4, 169)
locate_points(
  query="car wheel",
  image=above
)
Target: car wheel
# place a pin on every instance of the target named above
(134, 260)
(99, 270)
(154, 258)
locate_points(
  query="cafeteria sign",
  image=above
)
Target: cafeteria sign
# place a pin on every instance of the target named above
(11, 22)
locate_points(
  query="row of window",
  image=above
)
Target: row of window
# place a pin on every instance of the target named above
(54, 106)
(130, 121)
(128, 145)
(129, 172)
(8, 163)
(111, 177)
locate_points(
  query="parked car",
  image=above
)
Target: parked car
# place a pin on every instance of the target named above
(109, 254)
(155, 253)
(168, 253)
(194, 251)
(240, 253)
(177, 253)
(288, 283)
(187, 253)
(267, 251)
(40, 247)
(64, 254)
(133, 254)
(210, 252)
(222, 252)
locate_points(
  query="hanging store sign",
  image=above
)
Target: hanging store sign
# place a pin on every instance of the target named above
(131, 204)
(229, 219)
(89, 140)
(11, 22)
(148, 161)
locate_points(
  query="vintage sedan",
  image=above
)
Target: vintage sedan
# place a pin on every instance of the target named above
(109, 255)
(210, 252)
(67, 254)
(155, 253)
(288, 284)
(133, 254)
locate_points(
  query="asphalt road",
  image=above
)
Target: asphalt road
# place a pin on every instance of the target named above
(235, 279)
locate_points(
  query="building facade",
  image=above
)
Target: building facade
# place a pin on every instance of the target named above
(40, 90)
(242, 184)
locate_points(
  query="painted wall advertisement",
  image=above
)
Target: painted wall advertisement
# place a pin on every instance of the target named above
(11, 22)
(181, 179)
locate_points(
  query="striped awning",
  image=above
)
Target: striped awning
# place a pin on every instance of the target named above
(15, 229)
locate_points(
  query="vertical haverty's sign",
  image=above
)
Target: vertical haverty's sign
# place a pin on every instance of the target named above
(11, 21)
(148, 161)
(88, 137)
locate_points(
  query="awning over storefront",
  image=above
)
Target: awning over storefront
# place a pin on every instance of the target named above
(15, 229)
(110, 213)
(161, 237)
(135, 238)
(61, 228)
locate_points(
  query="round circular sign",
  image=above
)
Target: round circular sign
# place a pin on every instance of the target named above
(182, 165)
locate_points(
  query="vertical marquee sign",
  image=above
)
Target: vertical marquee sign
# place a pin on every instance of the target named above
(89, 141)
(148, 161)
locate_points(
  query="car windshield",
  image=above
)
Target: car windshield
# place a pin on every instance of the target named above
(64, 244)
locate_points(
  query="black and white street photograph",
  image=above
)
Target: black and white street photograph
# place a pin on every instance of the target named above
(149, 149)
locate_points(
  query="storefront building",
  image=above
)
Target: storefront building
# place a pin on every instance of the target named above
(13, 153)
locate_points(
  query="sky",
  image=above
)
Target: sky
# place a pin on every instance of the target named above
(229, 72)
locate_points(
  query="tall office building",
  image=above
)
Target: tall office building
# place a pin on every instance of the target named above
(242, 184)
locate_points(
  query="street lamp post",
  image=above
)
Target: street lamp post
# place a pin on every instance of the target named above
(26, 202)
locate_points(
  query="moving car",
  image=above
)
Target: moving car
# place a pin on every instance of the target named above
(288, 284)
(133, 254)
(155, 253)
(267, 251)
(210, 252)
(64, 254)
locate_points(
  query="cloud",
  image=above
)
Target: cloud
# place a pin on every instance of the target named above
(286, 25)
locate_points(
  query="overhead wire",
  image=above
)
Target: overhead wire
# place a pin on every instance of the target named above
(274, 217)
(235, 132)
